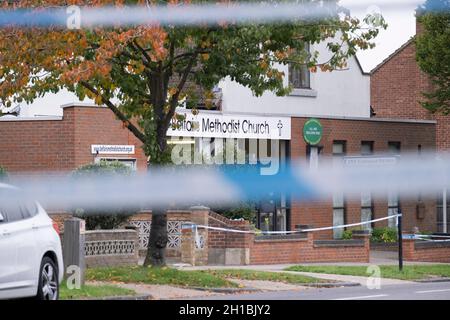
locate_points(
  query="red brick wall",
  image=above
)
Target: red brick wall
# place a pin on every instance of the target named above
(62, 145)
(410, 135)
(96, 125)
(396, 87)
(432, 252)
(222, 239)
(33, 146)
(304, 250)
(274, 251)
(396, 91)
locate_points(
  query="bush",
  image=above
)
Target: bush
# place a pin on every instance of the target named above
(384, 235)
(246, 211)
(103, 219)
(347, 235)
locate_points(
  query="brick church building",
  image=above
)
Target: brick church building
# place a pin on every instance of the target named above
(396, 124)
(397, 85)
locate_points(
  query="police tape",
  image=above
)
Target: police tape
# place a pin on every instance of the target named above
(194, 227)
(75, 17)
(426, 237)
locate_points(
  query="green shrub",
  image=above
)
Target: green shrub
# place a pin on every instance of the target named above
(102, 219)
(347, 235)
(246, 211)
(384, 235)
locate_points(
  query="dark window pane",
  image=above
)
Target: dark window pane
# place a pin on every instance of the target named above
(394, 147)
(15, 207)
(299, 74)
(339, 148)
(366, 148)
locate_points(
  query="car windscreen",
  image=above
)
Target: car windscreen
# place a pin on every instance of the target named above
(14, 206)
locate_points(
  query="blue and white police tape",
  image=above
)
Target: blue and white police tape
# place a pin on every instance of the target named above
(430, 238)
(217, 186)
(195, 227)
(192, 14)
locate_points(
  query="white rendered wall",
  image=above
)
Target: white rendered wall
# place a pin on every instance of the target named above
(339, 93)
(344, 93)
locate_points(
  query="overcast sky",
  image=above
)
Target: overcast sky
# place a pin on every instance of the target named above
(399, 14)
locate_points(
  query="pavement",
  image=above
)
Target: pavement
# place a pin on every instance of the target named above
(386, 289)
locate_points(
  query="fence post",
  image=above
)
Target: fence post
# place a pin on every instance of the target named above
(73, 246)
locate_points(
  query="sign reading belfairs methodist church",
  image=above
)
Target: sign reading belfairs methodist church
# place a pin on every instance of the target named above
(218, 125)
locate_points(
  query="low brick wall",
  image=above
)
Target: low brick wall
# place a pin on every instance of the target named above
(241, 248)
(142, 222)
(376, 246)
(426, 251)
(295, 250)
(106, 248)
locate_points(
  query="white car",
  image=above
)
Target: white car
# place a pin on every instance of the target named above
(31, 261)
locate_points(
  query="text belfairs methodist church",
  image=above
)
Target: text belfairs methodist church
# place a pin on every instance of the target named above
(207, 125)
(213, 124)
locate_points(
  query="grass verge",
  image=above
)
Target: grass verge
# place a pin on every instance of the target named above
(264, 275)
(93, 291)
(168, 276)
(410, 272)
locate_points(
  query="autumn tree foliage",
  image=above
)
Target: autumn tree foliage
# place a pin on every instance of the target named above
(143, 73)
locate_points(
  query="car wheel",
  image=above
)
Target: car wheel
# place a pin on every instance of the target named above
(48, 287)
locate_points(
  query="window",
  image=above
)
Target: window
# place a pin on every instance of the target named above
(299, 75)
(392, 208)
(394, 147)
(366, 209)
(366, 148)
(16, 207)
(338, 214)
(339, 148)
(440, 213)
(393, 202)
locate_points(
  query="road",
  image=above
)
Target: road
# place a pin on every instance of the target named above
(414, 291)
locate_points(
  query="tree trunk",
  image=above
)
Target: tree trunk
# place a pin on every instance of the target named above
(156, 253)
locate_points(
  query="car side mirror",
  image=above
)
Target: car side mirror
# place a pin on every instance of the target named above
(1, 217)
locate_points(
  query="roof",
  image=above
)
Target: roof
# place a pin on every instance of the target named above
(393, 54)
(35, 118)
(360, 66)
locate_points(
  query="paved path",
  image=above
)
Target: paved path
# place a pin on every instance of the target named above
(412, 291)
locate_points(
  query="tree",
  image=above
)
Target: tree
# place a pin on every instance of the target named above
(104, 219)
(433, 53)
(143, 73)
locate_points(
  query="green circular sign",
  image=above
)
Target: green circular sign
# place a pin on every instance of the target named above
(312, 131)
